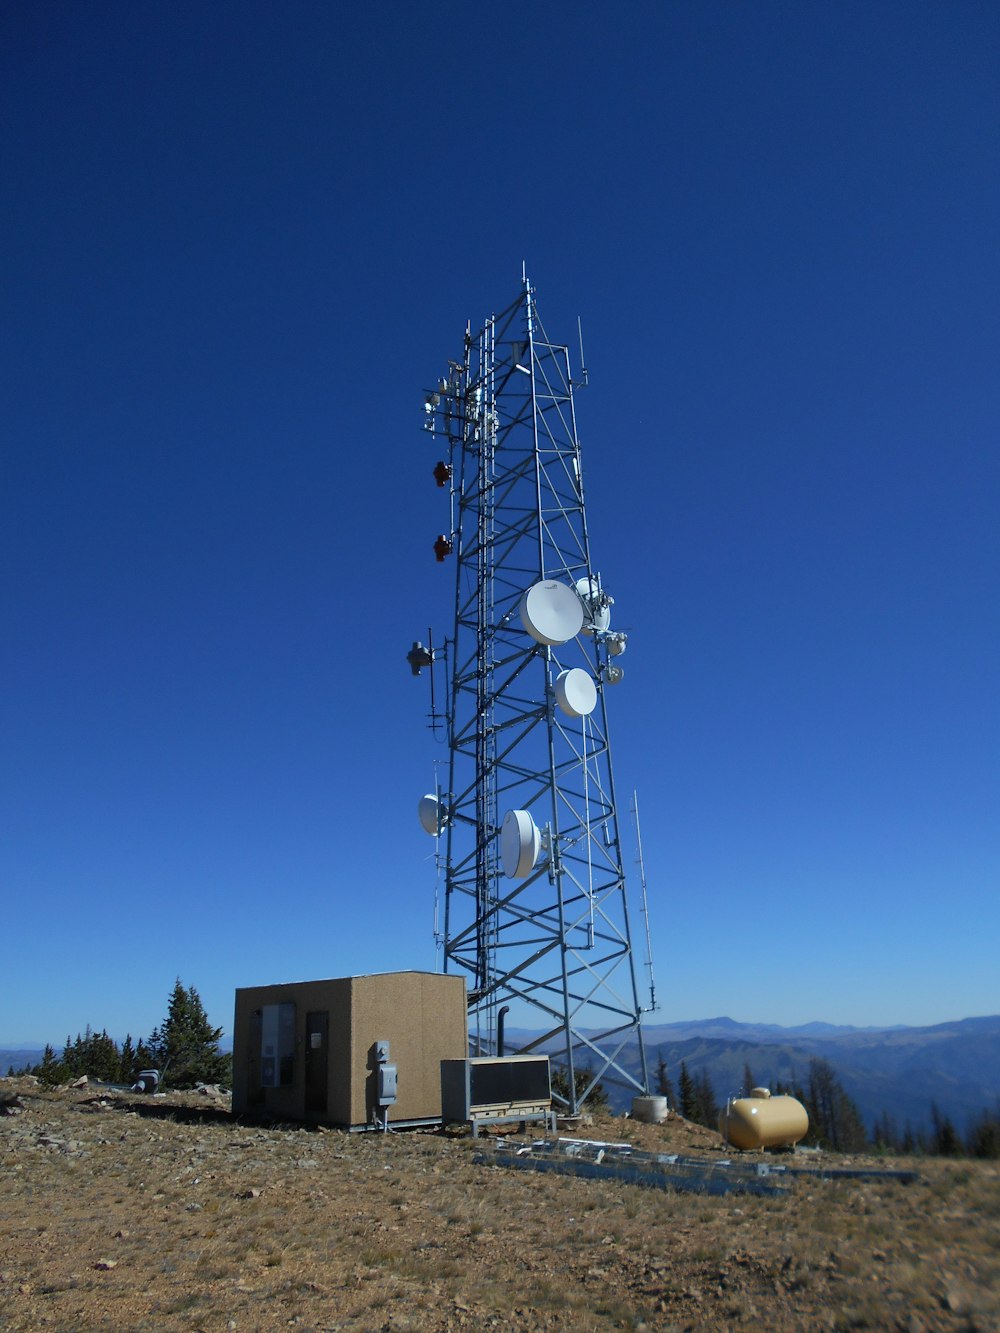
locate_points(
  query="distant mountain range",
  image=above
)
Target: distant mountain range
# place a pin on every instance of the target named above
(900, 1070)
(19, 1056)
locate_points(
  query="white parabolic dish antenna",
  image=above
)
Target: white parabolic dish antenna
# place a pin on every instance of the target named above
(597, 611)
(576, 693)
(520, 842)
(551, 612)
(429, 813)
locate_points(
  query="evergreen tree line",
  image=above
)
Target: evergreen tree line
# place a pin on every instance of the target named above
(184, 1048)
(944, 1140)
(835, 1121)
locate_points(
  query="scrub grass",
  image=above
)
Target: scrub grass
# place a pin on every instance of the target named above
(211, 1224)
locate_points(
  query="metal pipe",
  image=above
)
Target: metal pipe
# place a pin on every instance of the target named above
(504, 1011)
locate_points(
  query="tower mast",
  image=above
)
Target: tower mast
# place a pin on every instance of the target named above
(536, 912)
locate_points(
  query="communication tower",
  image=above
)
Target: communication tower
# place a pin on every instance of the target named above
(535, 908)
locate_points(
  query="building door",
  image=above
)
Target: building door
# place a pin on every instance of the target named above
(317, 1032)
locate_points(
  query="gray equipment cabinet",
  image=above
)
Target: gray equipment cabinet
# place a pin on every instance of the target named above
(493, 1090)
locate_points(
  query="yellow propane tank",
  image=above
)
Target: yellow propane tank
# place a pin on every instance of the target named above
(763, 1121)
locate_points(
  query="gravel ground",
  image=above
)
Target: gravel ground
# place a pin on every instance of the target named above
(126, 1212)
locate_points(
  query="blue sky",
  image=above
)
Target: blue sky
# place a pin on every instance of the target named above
(239, 242)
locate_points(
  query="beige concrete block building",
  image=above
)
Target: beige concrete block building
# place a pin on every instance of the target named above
(306, 1050)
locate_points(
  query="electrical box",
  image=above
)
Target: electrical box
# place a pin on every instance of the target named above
(387, 1080)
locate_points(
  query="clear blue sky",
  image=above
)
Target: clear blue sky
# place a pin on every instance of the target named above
(239, 240)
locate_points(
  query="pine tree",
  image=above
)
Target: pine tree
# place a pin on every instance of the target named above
(74, 1058)
(143, 1059)
(686, 1093)
(984, 1134)
(884, 1135)
(185, 1048)
(663, 1084)
(706, 1108)
(93, 1054)
(104, 1058)
(126, 1062)
(50, 1071)
(748, 1080)
(945, 1141)
(834, 1119)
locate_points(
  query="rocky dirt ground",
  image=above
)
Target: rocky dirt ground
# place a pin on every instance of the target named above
(127, 1212)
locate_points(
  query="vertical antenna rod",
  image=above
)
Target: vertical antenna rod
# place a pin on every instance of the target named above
(645, 903)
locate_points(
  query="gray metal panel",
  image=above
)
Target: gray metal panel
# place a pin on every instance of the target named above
(455, 1090)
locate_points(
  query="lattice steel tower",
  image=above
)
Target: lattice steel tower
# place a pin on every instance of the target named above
(535, 908)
